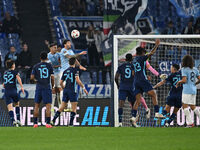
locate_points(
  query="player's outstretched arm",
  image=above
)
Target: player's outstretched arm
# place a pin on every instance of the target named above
(81, 84)
(80, 66)
(155, 48)
(20, 83)
(184, 80)
(117, 79)
(198, 80)
(76, 55)
(159, 84)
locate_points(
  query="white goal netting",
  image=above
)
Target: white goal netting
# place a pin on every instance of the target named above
(171, 50)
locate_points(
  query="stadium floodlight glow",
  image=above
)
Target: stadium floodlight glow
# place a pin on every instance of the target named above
(123, 44)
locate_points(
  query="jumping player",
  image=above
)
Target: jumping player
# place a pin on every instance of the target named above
(54, 59)
(43, 72)
(71, 77)
(189, 75)
(175, 94)
(65, 54)
(11, 96)
(141, 82)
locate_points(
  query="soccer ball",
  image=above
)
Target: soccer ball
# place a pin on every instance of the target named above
(75, 34)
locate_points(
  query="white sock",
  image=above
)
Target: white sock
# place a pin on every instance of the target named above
(188, 116)
(53, 101)
(196, 111)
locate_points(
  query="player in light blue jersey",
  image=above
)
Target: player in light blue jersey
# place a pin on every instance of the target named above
(67, 53)
(189, 75)
(54, 59)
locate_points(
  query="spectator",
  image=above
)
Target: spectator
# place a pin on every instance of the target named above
(12, 55)
(25, 60)
(81, 8)
(92, 50)
(11, 24)
(197, 26)
(189, 29)
(25, 57)
(170, 29)
(99, 37)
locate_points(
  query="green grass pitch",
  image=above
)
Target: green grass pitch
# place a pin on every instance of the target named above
(99, 138)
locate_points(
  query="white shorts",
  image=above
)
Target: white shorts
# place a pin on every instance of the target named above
(189, 99)
(57, 77)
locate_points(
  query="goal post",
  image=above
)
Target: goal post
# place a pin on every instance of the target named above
(123, 44)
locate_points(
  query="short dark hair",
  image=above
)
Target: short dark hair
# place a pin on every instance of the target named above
(43, 55)
(188, 61)
(24, 43)
(65, 41)
(9, 63)
(52, 44)
(140, 51)
(176, 66)
(129, 57)
(72, 61)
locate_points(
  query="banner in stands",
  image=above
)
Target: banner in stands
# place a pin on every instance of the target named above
(81, 24)
(123, 17)
(91, 112)
(94, 91)
(187, 8)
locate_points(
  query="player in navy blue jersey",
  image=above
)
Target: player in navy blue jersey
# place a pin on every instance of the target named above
(126, 86)
(11, 95)
(71, 78)
(141, 82)
(175, 95)
(43, 73)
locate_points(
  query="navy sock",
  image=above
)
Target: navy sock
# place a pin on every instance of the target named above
(17, 113)
(48, 120)
(164, 112)
(56, 116)
(133, 112)
(35, 120)
(11, 114)
(171, 118)
(72, 115)
(156, 108)
(120, 112)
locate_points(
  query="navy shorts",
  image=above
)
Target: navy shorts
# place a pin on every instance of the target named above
(142, 86)
(11, 96)
(43, 94)
(174, 100)
(123, 94)
(69, 95)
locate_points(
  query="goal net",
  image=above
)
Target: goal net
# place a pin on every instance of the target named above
(171, 50)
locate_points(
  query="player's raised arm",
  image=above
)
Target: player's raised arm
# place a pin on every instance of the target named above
(81, 84)
(155, 48)
(20, 83)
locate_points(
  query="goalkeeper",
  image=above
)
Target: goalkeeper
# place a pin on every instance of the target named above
(175, 94)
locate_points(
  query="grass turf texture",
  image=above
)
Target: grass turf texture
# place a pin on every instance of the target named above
(99, 138)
